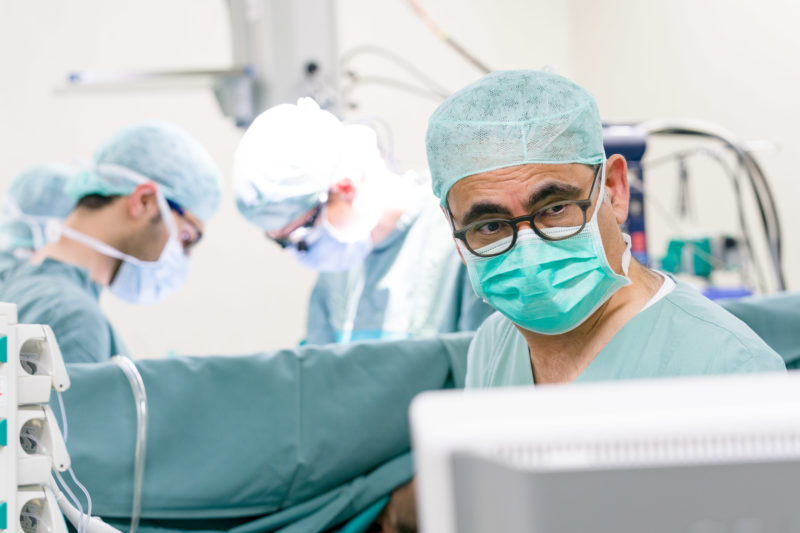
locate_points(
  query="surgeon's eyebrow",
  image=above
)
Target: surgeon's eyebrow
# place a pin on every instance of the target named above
(558, 190)
(481, 209)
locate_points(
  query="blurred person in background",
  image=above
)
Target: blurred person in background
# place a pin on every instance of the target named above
(139, 210)
(34, 204)
(320, 189)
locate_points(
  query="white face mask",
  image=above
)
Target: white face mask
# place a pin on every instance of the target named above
(330, 250)
(144, 282)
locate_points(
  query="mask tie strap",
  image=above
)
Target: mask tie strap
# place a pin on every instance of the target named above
(626, 255)
(99, 246)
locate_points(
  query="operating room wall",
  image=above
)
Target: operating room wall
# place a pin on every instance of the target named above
(498, 33)
(243, 294)
(733, 63)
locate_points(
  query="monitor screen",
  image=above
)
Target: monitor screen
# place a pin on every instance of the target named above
(693, 455)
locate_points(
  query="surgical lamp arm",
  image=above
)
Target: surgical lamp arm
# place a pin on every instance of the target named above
(761, 190)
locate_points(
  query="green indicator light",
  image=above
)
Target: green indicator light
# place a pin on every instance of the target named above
(3, 432)
(3, 349)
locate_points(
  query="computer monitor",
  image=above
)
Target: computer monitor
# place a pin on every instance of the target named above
(682, 455)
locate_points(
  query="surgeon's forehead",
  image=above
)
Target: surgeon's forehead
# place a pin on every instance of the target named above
(513, 185)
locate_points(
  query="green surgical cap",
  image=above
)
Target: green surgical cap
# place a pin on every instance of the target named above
(35, 196)
(161, 152)
(510, 118)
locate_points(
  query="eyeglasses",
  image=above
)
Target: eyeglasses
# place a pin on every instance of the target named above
(187, 239)
(296, 237)
(554, 222)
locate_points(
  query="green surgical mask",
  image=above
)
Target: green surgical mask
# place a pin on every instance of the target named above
(548, 287)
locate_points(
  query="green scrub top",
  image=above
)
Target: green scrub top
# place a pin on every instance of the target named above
(65, 298)
(681, 334)
(412, 284)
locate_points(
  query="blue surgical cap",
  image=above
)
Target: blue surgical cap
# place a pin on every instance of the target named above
(36, 194)
(511, 118)
(161, 152)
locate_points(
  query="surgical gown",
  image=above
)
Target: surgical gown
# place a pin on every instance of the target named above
(66, 299)
(681, 334)
(299, 440)
(412, 284)
(775, 318)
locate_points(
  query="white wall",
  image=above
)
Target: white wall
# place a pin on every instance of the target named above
(499, 32)
(730, 62)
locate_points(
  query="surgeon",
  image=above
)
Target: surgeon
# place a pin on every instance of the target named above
(35, 201)
(140, 209)
(321, 190)
(535, 207)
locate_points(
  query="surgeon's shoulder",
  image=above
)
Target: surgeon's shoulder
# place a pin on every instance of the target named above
(80, 327)
(728, 343)
(491, 340)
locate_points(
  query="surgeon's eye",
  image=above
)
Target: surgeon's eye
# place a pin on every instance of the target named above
(488, 228)
(555, 210)
(566, 214)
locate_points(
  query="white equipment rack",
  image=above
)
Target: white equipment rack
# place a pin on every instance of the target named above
(31, 444)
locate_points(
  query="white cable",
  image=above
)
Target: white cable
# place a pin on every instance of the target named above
(74, 499)
(84, 516)
(85, 493)
(637, 184)
(716, 155)
(397, 60)
(388, 152)
(140, 397)
(93, 524)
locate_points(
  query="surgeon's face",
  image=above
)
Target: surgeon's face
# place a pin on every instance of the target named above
(521, 190)
(337, 209)
(292, 233)
(190, 230)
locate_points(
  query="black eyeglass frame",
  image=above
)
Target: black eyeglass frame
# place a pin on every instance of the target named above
(179, 209)
(584, 205)
(310, 223)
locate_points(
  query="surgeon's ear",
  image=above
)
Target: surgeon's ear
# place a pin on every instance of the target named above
(617, 189)
(143, 201)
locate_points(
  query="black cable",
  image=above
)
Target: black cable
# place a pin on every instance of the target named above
(683, 155)
(734, 177)
(761, 191)
(776, 220)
